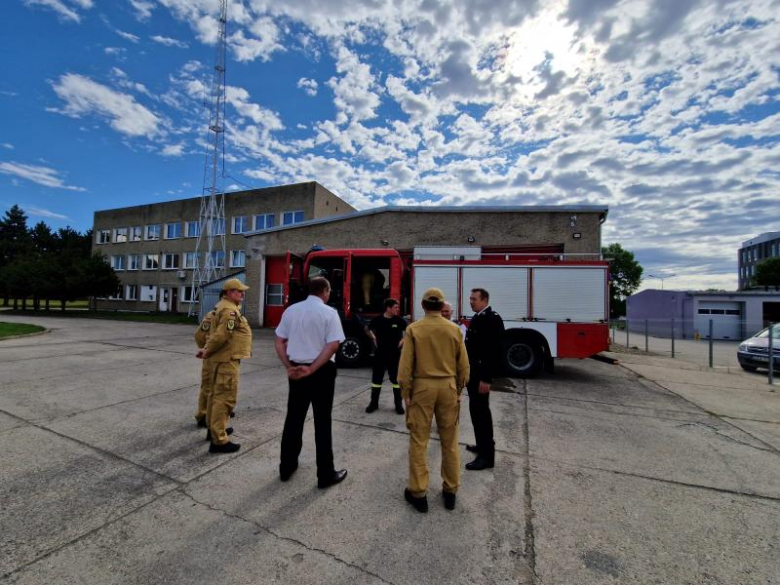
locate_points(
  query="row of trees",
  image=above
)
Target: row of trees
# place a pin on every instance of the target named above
(44, 266)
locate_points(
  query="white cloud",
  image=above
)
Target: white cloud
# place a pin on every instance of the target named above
(45, 176)
(127, 36)
(308, 85)
(143, 9)
(173, 150)
(7, 145)
(115, 51)
(40, 212)
(262, 44)
(65, 10)
(356, 91)
(169, 42)
(83, 97)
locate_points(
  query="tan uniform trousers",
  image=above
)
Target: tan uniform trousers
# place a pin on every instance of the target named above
(222, 400)
(433, 397)
(206, 387)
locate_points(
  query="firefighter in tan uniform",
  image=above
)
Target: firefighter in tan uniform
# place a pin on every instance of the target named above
(230, 341)
(207, 370)
(434, 369)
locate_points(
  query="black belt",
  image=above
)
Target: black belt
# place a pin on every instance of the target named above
(301, 363)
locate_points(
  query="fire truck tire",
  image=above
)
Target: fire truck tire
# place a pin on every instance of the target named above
(350, 352)
(523, 358)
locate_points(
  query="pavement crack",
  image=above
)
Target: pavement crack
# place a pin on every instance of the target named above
(725, 437)
(275, 534)
(530, 537)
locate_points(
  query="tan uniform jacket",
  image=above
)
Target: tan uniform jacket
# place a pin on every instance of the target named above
(203, 332)
(231, 337)
(433, 348)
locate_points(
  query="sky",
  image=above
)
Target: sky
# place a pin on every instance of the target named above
(667, 112)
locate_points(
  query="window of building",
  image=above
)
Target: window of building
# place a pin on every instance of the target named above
(192, 229)
(148, 292)
(153, 232)
(190, 260)
(136, 233)
(151, 261)
(274, 295)
(188, 294)
(218, 227)
(704, 311)
(264, 221)
(133, 260)
(290, 217)
(218, 259)
(172, 231)
(237, 258)
(131, 293)
(171, 261)
(120, 235)
(118, 262)
(117, 295)
(104, 237)
(241, 224)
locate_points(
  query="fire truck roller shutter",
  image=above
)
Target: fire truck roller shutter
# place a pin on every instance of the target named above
(570, 294)
(442, 277)
(507, 285)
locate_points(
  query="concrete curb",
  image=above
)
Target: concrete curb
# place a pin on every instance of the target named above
(35, 334)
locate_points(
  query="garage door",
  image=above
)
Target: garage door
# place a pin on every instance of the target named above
(726, 319)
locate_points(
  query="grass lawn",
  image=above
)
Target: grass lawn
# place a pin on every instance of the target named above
(11, 329)
(56, 305)
(112, 315)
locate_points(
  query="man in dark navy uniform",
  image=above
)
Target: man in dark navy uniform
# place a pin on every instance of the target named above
(483, 344)
(387, 332)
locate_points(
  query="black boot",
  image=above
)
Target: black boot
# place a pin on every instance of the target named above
(399, 403)
(374, 404)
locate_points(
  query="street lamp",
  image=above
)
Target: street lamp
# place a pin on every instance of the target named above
(661, 277)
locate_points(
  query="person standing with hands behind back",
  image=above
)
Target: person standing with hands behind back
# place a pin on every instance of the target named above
(483, 343)
(387, 333)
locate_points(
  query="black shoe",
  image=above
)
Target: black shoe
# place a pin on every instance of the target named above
(419, 504)
(449, 500)
(337, 477)
(232, 414)
(372, 406)
(201, 422)
(228, 430)
(472, 449)
(479, 464)
(399, 408)
(226, 448)
(286, 474)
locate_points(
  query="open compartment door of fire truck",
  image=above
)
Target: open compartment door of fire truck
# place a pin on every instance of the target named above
(295, 288)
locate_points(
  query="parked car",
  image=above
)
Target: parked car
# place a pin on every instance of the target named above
(753, 353)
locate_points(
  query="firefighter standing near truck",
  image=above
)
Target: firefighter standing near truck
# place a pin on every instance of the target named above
(230, 341)
(387, 333)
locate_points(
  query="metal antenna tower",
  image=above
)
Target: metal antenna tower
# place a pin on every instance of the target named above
(210, 246)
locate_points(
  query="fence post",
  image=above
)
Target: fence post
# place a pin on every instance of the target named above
(672, 336)
(626, 332)
(710, 342)
(614, 331)
(771, 357)
(646, 336)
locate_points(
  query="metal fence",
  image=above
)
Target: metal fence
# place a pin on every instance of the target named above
(698, 343)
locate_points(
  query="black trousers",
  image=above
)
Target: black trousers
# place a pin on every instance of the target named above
(317, 390)
(385, 362)
(482, 420)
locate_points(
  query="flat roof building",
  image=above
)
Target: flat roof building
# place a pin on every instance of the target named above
(752, 252)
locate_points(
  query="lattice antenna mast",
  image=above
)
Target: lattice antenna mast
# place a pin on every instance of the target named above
(210, 245)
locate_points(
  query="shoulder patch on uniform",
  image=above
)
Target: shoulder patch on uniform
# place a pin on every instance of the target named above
(231, 324)
(206, 325)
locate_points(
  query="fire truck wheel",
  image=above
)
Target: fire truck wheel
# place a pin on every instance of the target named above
(350, 352)
(523, 358)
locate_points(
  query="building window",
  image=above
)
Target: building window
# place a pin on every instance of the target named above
(274, 295)
(193, 229)
(218, 227)
(291, 217)
(117, 294)
(171, 261)
(133, 261)
(153, 232)
(148, 292)
(136, 233)
(172, 231)
(264, 221)
(151, 261)
(190, 260)
(118, 262)
(131, 292)
(189, 294)
(237, 258)
(704, 311)
(120, 235)
(104, 237)
(240, 224)
(218, 259)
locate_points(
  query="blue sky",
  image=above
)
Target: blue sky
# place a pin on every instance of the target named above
(668, 112)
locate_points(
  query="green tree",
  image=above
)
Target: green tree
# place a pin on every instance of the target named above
(625, 277)
(14, 244)
(767, 272)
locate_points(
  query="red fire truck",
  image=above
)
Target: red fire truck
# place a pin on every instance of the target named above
(552, 306)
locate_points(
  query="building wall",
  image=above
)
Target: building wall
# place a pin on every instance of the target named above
(752, 252)
(311, 198)
(404, 229)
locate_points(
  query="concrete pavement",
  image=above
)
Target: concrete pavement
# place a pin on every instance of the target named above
(648, 472)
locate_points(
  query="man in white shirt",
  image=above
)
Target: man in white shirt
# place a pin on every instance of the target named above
(307, 339)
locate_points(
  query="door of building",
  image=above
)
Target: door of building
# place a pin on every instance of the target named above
(726, 316)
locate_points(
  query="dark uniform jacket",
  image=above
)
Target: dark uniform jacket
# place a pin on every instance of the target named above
(484, 344)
